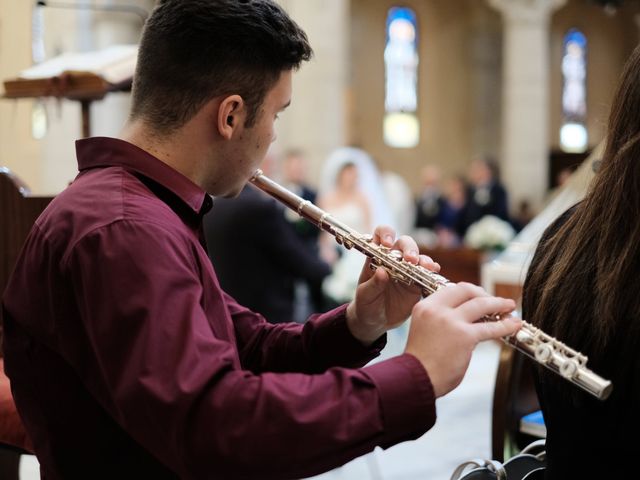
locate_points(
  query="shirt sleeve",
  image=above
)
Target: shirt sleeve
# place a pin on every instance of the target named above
(324, 341)
(153, 361)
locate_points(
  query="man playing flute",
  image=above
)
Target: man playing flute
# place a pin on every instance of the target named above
(126, 358)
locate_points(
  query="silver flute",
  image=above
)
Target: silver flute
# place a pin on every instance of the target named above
(529, 340)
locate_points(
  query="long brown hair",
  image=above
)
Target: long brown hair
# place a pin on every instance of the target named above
(584, 285)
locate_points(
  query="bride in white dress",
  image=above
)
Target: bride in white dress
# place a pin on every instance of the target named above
(351, 191)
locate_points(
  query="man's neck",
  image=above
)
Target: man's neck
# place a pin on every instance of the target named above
(171, 149)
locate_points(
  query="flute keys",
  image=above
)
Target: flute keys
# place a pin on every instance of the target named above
(396, 255)
(523, 336)
(543, 352)
(569, 368)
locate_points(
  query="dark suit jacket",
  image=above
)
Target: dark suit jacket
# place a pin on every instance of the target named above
(304, 229)
(430, 211)
(492, 200)
(257, 254)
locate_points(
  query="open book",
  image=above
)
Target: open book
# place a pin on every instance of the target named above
(77, 75)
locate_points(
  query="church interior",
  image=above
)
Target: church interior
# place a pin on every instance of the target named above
(414, 92)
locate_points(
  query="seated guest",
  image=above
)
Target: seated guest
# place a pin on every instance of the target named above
(430, 202)
(455, 200)
(486, 196)
(582, 287)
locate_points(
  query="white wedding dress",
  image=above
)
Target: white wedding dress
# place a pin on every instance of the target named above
(341, 284)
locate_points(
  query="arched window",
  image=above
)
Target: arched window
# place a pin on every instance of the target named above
(573, 133)
(401, 126)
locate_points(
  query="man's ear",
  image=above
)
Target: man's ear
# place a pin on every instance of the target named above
(231, 115)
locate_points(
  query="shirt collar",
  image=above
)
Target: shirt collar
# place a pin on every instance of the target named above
(109, 152)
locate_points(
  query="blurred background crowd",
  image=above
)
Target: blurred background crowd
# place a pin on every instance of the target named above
(297, 269)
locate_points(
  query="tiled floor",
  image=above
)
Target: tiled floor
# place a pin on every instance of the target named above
(462, 432)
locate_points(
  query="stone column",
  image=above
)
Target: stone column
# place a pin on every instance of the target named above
(316, 121)
(81, 31)
(18, 150)
(525, 119)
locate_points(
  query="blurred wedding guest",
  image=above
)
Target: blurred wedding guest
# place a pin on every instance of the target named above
(487, 196)
(294, 178)
(455, 199)
(563, 176)
(524, 214)
(582, 287)
(257, 255)
(308, 294)
(561, 179)
(430, 202)
(400, 200)
(294, 174)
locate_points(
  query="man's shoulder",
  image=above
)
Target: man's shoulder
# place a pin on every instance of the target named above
(99, 199)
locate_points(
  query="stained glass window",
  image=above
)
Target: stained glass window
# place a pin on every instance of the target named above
(573, 133)
(401, 126)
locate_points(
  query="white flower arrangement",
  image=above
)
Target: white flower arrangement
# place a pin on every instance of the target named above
(489, 233)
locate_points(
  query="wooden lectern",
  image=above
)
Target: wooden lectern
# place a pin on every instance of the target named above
(84, 77)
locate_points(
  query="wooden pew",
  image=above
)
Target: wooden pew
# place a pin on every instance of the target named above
(457, 264)
(18, 211)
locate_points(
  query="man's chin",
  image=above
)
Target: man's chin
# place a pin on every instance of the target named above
(233, 193)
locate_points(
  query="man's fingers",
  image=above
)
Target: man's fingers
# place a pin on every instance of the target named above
(428, 263)
(455, 295)
(478, 307)
(384, 235)
(409, 248)
(373, 287)
(495, 330)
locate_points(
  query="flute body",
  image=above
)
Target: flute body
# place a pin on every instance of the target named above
(529, 340)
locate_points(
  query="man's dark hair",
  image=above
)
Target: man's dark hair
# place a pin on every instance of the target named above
(195, 50)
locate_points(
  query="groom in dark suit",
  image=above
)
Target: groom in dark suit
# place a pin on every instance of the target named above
(257, 255)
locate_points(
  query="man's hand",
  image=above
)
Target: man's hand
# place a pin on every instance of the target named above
(444, 331)
(381, 303)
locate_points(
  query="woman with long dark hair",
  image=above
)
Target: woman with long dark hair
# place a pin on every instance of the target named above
(583, 287)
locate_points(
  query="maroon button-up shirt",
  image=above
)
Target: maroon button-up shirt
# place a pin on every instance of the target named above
(127, 359)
